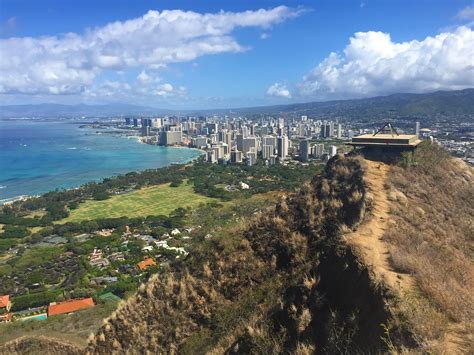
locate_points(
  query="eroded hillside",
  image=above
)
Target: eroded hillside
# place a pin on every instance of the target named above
(364, 258)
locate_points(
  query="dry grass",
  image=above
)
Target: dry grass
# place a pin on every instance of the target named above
(432, 238)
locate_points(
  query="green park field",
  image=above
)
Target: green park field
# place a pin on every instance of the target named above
(156, 200)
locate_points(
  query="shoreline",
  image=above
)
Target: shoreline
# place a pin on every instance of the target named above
(23, 197)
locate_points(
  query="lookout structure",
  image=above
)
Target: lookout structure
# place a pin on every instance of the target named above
(387, 139)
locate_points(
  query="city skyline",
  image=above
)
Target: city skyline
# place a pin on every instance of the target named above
(180, 55)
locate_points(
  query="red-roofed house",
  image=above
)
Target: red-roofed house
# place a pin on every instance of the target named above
(70, 306)
(5, 303)
(146, 263)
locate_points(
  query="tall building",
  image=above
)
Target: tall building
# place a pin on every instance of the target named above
(268, 151)
(318, 150)
(301, 129)
(282, 143)
(127, 121)
(211, 157)
(228, 139)
(339, 131)
(327, 129)
(212, 127)
(417, 129)
(304, 150)
(170, 137)
(251, 158)
(269, 140)
(252, 129)
(156, 122)
(199, 142)
(332, 150)
(145, 131)
(135, 122)
(236, 156)
(240, 142)
(281, 122)
(249, 144)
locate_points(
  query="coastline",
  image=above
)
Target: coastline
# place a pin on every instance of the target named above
(24, 196)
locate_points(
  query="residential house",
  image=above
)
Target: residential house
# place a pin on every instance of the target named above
(146, 263)
(56, 308)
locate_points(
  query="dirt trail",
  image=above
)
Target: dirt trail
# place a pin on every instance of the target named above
(367, 239)
(367, 243)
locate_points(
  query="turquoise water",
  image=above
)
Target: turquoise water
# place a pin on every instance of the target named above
(42, 316)
(37, 157)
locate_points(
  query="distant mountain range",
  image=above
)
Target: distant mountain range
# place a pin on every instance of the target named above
(440, 103)
(59, 110)
(445, 103)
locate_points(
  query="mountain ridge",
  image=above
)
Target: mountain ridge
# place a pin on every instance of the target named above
(445, 103)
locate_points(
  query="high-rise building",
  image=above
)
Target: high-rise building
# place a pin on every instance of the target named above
(339, 131)
(240, 142)
(228, 139)
(282, 143)
(249, 144)
(170, 137)
(268, 151)
(218, 150)
(199, 142)
(211, 157)
(127, 121)
(145, 131)
(236, 156)
(156, 122)
(135, 122)
(327, 129)
(417, 129)
(318, 150)
(212, 127)
(281, 122)
(304, 150)
(332, 150)
(269, 140)
(251, 158)
(301, 129)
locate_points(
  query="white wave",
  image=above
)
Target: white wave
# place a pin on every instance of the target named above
(3, 187)
(72, 148)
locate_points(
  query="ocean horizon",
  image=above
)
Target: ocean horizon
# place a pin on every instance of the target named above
(42, 156)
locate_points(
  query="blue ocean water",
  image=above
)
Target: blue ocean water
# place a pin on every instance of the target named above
(41, 156)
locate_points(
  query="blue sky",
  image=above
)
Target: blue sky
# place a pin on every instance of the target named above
(245, 53)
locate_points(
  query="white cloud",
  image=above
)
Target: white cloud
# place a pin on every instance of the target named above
(278, 90)
(264, 35)
(372, 64)
(467, 13)
(69, 63)
(146, 78)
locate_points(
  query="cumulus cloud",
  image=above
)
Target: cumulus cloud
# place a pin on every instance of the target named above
(278, 90)
(69, 63)
(372, 64)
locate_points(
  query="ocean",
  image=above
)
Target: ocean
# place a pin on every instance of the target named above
(41, 156)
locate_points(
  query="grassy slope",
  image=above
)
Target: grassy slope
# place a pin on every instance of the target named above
(74, 328)
(431, 238)
(157, 200)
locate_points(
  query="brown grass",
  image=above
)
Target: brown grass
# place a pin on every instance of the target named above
(431, 237)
